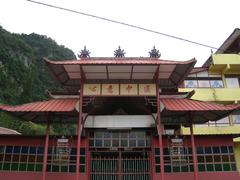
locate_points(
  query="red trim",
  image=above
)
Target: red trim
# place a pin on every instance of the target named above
(46, 150)
(79, 131)
(114, 61)
(195, 166)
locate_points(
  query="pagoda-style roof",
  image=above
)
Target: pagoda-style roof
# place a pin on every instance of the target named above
(71, 73)
(186, 111)
(173, 110)
(59, 109)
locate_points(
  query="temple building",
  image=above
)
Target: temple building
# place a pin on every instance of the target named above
(136, 120)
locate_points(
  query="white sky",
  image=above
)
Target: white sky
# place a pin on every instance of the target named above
(205, 21)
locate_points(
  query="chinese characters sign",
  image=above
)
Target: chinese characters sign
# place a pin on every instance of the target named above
(147, 89)
(110, 89)
(129, 89)
(119, 90)
(92, 89)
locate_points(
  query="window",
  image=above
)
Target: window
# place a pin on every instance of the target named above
(216, 83)
(191, 83)
(119, 139)
(236, 117)
(30, 158)
(203, 80)
(184, 164)
(232, 82)
(216, 158)
(223, 122)
(210, 158)
(203, 83)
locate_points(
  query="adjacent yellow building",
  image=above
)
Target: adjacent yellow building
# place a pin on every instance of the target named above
(218, 80)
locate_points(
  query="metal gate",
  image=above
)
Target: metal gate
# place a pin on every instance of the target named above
(120, 166)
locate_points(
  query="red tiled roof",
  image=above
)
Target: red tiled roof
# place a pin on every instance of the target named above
(53, 105)
(70, 74)
(194, 105)
(185, 111)
(122, 61)
(65, 108)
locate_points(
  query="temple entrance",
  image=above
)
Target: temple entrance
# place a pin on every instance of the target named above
(120, 165)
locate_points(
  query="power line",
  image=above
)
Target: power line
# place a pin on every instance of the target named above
(124, 24)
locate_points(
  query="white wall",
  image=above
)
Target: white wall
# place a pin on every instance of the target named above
(119, 121)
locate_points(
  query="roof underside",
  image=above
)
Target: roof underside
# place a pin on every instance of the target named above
(168, 74)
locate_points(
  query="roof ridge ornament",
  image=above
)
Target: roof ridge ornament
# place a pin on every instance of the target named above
(154, 53)
(84, 53)
(119, 53)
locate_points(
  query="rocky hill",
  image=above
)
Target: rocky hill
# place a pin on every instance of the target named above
(23, 75)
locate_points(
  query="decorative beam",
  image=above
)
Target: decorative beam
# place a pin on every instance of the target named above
(107, 72)
(131, 74)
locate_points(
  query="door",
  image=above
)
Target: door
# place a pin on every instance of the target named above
(123, 165)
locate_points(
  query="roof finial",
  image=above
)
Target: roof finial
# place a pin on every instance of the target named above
(84, 53)
(119, 53)
(154, 53)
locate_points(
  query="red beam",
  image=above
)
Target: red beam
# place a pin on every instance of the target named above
(79, 130)
(159, 129)
(195, 166)
(46, 149)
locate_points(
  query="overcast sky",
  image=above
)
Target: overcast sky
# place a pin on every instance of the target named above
(205, 21)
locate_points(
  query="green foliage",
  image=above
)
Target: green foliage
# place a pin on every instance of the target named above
(23, 75)
(64, 129)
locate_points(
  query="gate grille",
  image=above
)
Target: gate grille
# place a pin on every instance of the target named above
(120, 166)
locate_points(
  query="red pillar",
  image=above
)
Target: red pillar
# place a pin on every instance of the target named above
(46, 150)
(159, 129)
(195, 166)
(120, 165)
(88, 155)
(79, 131)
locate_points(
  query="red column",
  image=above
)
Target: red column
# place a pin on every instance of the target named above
(79, 131)
(88, 156)
(46, 150)
(159, 129)
(120, 165)
(195, 166)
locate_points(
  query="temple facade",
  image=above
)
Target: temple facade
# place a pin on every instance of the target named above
(137, 119)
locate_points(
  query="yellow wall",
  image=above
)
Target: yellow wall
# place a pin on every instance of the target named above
(237, 154)
(225, 59)
(214, 94)
(225, 63)
(205, 130)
